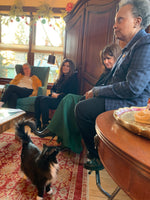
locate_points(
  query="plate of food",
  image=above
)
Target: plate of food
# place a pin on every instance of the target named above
(135, 119)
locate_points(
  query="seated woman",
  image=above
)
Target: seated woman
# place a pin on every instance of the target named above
(23, 85)
(129, 83)
(63, 123)
(66, 83)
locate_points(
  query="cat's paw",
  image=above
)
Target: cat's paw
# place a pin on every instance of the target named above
(39, 198)
(50, 192)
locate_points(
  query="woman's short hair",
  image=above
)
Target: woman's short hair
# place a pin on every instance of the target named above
(111, 50)
(141, 8)
(22, 72)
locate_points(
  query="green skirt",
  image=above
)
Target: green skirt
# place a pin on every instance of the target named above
(64, 125)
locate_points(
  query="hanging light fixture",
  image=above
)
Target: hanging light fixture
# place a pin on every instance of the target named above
(51, 59)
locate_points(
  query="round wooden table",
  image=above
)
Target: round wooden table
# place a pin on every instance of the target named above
(125, 156)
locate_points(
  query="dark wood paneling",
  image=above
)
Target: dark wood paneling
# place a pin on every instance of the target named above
(74, 37)
(98, 32)
(86, 84)
(89, 27)
(74, 34)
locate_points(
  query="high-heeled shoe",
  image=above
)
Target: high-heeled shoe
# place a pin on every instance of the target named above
(38, 125)
(44, 126)
(44, 133)
(38, 128)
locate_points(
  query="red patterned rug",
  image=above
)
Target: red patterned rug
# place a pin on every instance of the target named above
(71, 183)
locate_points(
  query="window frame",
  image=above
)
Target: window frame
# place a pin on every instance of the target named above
(31, 49)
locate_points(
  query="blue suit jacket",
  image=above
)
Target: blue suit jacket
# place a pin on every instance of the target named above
(129, 80)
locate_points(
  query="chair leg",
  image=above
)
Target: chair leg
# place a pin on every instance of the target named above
(98, 183)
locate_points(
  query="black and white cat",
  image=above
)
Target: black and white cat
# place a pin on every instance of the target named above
(39, 166)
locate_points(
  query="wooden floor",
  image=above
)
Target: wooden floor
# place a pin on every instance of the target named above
(107, 183)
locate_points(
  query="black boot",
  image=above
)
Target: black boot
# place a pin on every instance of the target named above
(44, 133)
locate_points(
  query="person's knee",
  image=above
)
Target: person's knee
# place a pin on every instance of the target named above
(44, 105)
(38, 99)
(10, 88)
(44, 101)
(65, 99)
(78, 110)
(12, 101)
(68, 99)
(68, 96)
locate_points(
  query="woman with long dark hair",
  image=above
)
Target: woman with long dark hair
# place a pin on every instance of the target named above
(66, 83)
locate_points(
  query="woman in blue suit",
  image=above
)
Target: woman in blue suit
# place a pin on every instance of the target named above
(129, 81)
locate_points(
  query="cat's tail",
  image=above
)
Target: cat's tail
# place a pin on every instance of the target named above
(20, 130)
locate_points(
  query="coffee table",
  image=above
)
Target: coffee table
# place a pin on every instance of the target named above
(125, 156)
(8, 117)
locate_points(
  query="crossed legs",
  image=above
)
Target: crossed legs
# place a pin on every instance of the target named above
(14, 92)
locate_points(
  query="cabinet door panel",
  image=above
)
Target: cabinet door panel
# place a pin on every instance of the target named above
(73, 40)
(89, 27)
(98, 32)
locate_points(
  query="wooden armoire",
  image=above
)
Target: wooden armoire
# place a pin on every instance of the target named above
(89, 27)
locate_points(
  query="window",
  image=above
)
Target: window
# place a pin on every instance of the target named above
(20, 39)
(14, 32)
(40, 59)
(8, 60)
(49, 33)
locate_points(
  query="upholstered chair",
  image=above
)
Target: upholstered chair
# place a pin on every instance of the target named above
(27, 103)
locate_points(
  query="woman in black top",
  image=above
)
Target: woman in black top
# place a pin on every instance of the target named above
(66, 83)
